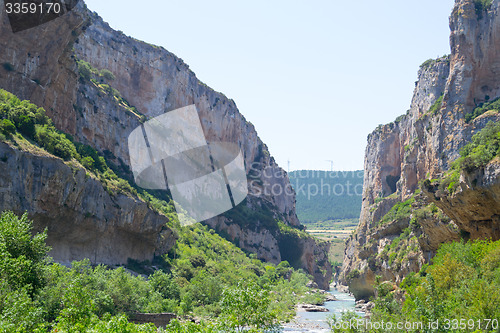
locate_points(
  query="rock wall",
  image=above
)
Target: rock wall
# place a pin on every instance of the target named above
(82, 219)
(420, 145)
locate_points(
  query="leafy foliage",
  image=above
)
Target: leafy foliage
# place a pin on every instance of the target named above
(437, 105)
(208, 276)
(481, 6)
(462, 283)
(399, 211)
(484, 146)
(431, 62)
(483, 108)
(248, 308)
(83, 298)
(22, 256)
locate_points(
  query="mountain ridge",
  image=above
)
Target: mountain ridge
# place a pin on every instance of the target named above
(401, 227)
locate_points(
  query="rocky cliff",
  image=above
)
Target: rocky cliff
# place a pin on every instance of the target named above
(400, 228)
(81, 217)
(41, 65)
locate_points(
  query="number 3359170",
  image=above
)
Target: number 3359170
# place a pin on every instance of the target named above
(33, 8)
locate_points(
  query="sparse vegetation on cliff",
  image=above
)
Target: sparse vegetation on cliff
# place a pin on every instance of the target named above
(431, 62)
(399, 211)
(494, 105)
(436, 106)
(481, 6)
(483, 148)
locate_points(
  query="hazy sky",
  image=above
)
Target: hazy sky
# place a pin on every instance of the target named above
(314, 77)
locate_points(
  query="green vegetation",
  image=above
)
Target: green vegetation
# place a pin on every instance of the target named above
(8, 66)
(31, 121)
(460, 292)
(483, 148)
(431, 62)
(481, 6)
(400, 211)
(462, 283)
(87, 72)
(101, 80)
(436, 106)
(398, 249)
(323, 196)
(36, 296)
(24, 124)
(494, 105)
(203, 275)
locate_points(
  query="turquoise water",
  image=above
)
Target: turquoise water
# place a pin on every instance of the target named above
(316, 322)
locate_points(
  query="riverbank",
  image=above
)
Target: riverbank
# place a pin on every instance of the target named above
(317, 322)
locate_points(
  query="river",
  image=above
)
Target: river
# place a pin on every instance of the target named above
(316, 322)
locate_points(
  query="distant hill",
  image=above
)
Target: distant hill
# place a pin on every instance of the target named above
(327, 195)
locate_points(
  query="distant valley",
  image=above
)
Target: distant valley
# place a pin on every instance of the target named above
(329, 204)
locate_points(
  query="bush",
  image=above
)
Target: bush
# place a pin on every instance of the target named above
(399, 211)
(55, 143)
(108, 75)
(481, 6)
(483, 108)
(247, 307)
(85, 70)
(88, 162)
(7, 127)
(22, 256)
(462, 283)
(484, 146)
(437, 105)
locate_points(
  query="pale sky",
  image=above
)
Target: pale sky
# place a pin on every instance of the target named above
(314, 77)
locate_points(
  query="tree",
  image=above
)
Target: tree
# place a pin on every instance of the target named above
(22, 256)
(246, 308)
(108, 75)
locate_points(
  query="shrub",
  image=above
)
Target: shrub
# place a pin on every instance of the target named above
(353, 274)
(7, 127)
(108, 75)
(399, 211)
(85, 70)
(55, 143)
(88, 162)
(484, 146)
(462, 283)
(247, 306)
(437, 105)
(22, 256)
(483, 108)
(481, 6)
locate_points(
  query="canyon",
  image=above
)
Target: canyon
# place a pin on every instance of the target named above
(43, 65)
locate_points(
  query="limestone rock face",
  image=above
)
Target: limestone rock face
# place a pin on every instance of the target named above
(475, 205)
(43, 68)
(82, 219)
(421, 144)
